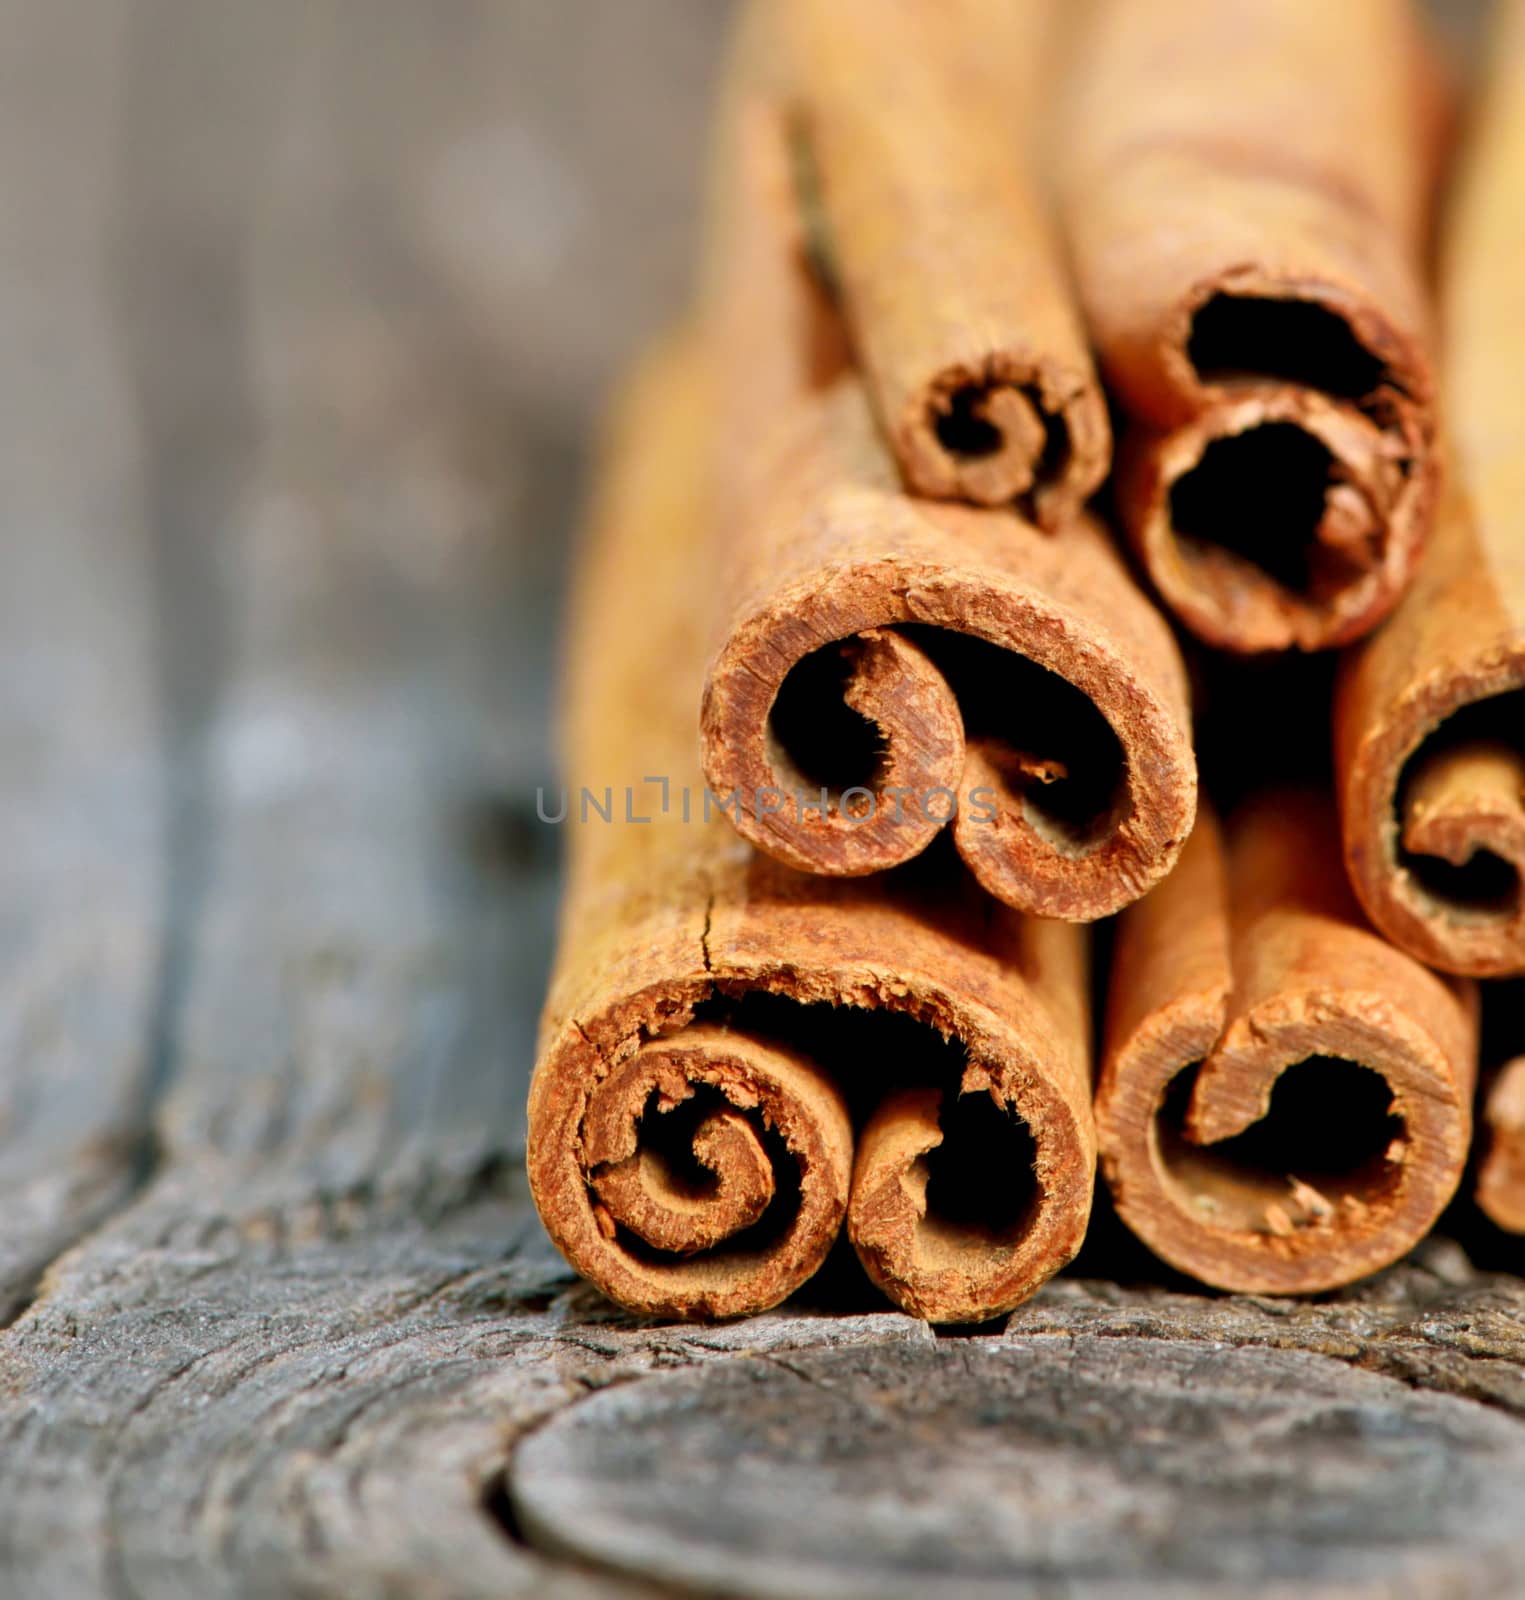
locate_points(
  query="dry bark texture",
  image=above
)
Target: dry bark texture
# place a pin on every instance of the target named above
(1501, 1166)
(1427, 736)
(881, 661)
(915, 125)
(1285, 1099)
(690, 1149)
(1248, 253)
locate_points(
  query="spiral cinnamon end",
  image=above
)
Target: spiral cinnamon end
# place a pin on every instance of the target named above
(1276, 518)
(962, 1206)
(1068, 779)
(985, 442)
(1501, 1172)
(1433, 814)
(1315, 1141)
(705, 1175)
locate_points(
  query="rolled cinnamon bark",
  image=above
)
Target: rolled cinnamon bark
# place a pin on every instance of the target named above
(1430, 711)
(1500, 1187)
(1499, 1181)
(885, 664)
(914, 122)
(713, 1014)
(1244, 188)
(1285, 1099)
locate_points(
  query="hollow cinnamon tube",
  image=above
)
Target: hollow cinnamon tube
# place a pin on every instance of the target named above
(1499, 1181)
(1500, 1189)
(1429, 712)
(913, 121)
(884, 664)
(1285, 1099)
(712, 1014)
(1244, 189)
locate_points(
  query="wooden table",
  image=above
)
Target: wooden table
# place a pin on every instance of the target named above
(303, 311)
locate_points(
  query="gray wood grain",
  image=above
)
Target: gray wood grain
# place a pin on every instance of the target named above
(1433, 1321)
(1083, 1465)
(83, 802)
(314, 1398)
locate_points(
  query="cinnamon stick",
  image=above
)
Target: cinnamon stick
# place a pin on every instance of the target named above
(1244, 190)
(913, 125)
(713, 1016)
(1285, 1099)
(885, 666)
(1428, 713)
(1500, 1187)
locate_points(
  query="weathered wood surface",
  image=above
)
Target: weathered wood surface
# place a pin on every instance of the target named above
(1170, 1466)
(285, 489)
(83, 803)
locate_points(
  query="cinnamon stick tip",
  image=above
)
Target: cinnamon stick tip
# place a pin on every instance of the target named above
(1433, 811)
(1009, 432)
(1213, 1178)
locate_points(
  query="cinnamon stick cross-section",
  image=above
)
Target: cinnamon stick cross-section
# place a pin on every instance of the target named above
(914, 127)
(708, 1177)
(1430, 713)
(1285, 1099)
(1247, 247)
(728, 1046)
(1500, 1186)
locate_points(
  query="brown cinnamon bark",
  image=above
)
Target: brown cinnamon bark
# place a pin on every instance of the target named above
(1429, 711)
(881, 661)
(914, 122)
(1500, 1187)
(1244, 187)
(712, 1013)
(1285, 1099)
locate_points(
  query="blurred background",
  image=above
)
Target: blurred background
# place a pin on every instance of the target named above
(307, 308)
(318, 299)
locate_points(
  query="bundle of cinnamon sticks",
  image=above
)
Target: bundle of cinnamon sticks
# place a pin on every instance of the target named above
(1062, 373)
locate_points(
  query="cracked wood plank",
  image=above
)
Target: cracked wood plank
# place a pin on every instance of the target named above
(82, 795)
(978, 1468)
(1433, 1321)
(340, 1072)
